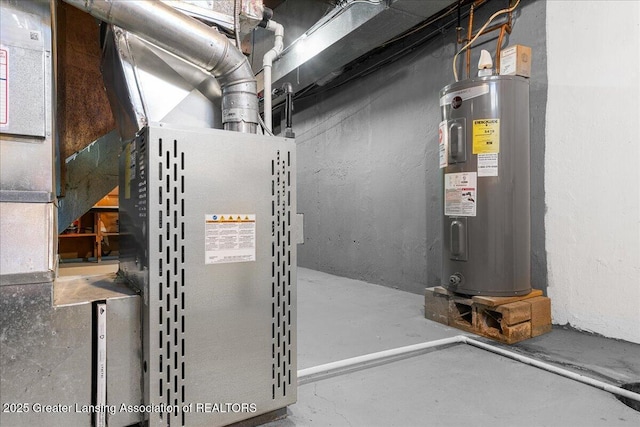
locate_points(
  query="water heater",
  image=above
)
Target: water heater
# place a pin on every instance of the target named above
(484, 153)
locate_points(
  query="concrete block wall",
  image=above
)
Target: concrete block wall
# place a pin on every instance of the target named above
(370, 187)
(369, 182)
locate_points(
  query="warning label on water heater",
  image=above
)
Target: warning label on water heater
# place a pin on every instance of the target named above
(443, 139)
(229, 238)
(4, 87)
(460, 194)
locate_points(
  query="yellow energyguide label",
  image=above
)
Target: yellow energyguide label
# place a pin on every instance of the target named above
(486, 136)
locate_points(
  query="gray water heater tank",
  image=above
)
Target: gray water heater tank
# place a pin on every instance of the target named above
(484, 152)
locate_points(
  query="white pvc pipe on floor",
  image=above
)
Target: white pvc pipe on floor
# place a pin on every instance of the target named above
(360, 362)
(342, 366)
(554, 369)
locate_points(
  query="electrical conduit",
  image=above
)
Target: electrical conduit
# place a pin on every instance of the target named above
(373, 359)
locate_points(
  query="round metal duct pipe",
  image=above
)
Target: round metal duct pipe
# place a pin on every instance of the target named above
(194, 42)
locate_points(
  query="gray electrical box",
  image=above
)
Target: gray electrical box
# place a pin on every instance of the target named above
(207, 225)
(22, 73)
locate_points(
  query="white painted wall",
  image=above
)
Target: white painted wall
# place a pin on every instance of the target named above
(592, 164)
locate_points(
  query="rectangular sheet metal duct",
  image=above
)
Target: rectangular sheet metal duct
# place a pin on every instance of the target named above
(360, 28)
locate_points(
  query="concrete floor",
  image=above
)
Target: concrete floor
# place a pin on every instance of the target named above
(88, 268)
(460, 385)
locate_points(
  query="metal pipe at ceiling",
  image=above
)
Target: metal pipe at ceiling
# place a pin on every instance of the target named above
(194, 42)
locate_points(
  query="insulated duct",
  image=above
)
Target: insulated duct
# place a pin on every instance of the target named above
(194, 42)
(343, 35)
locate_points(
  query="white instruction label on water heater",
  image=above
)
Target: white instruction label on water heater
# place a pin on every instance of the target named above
(4, 86)
(460, 194)
(443, 146)
(488, 164)
(229, 238)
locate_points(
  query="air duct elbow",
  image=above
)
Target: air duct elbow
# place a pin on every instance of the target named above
(194, 42)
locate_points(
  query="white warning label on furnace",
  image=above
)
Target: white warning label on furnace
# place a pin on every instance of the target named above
(460, 194)
(488, 164)
(4, 87)
(229, 238)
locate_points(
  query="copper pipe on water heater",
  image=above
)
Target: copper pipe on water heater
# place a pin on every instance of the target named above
(475, 4)
(505, 27)
(469, 34)
(472, 38)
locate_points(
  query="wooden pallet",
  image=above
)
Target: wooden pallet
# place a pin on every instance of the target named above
(505, 319)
